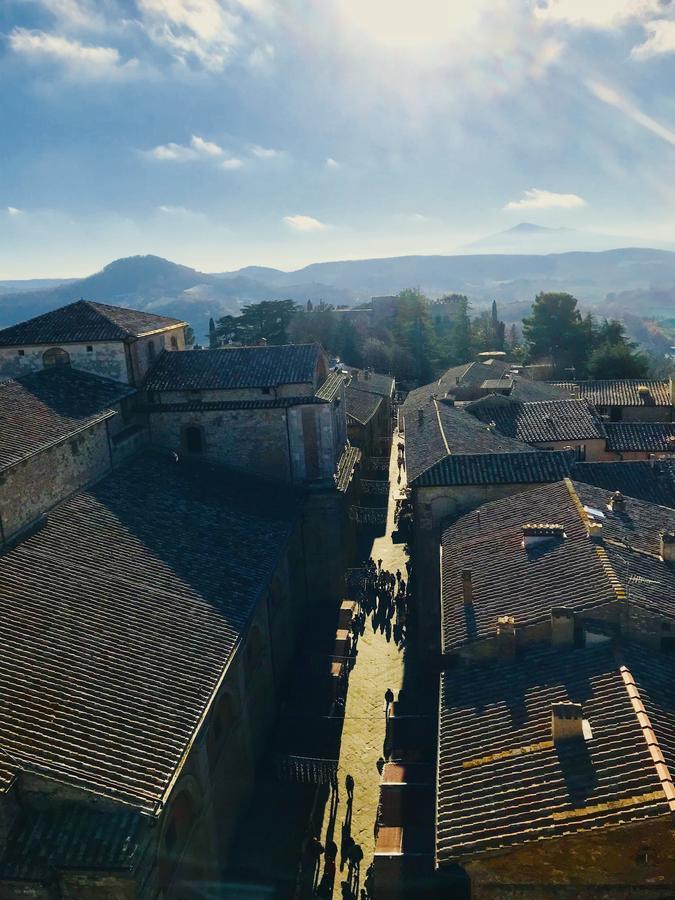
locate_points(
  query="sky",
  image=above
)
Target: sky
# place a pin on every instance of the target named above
(223, 133)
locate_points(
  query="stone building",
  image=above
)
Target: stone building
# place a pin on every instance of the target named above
(147, 626)
(627, 400)
(111, 341)
(652, 480)
(370, 402)
(641, 440)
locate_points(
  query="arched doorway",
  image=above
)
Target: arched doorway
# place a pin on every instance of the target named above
(54, 357)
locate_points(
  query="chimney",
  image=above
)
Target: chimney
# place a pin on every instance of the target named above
(467, 587)
(616, 502)
(420, 416)
(567, 722)
(667, 547)
(595, 531)
(534, 533)
(562, 627)
(506, 638)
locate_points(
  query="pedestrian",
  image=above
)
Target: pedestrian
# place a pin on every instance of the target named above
(349, 784)
(379, 565)
(388, 700)
(380, 764)
(398, 576)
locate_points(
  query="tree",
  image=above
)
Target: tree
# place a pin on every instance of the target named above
(412, 332)
(498, 329)
(461, 343)
(268, 319)
(556, 330)
(617, 360)
(213, 337)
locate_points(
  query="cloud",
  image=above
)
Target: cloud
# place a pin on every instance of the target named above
(198, 32)
(198, 148)
(264, 152)
(600, 14)
(332, 163)
(537, 199)
(95, 61)
(232, 162)
(608, 95)
(13, 211)
(660, 39)
(78, 14)
(261, 58)
(303, 223)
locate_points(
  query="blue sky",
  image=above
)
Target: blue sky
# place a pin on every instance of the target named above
(221, 133)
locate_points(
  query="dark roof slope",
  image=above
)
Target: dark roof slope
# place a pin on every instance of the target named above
(119, 616)
(372, 382)
(434, 429)
(509, 580)
(548, 420)
(535, 467)
(621, 392)
(362, 406)
(641, 437)
(501, 780)
(650, 480)
(233, 368)
(85, 320)
(48, 406)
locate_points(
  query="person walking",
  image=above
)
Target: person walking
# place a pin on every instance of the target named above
(388, 700)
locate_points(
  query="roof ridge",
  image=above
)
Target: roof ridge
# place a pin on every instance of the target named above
(601, 553)
(652, 741)
(440, 425)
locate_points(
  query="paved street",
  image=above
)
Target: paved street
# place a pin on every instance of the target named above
(379, 665)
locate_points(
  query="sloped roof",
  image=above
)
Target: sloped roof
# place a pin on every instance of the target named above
(537, 422)
(47, 407)
(332, 386)
(362, 406)
(233, 368)
(84, 321)
(501, 780)
(507, 579)
(621, 392)
(119, 616)
(534, 467)
(649, 480)
(641, 437)
(372, 382)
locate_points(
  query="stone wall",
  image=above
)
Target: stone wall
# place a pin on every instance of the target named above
(106, 358)
(31, 487)
(144, 351)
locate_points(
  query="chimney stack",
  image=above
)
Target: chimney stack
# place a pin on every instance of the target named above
(668, 546)
(506, 638)
(567, 722)
(595, 531)
(616, 502)
(467, 587)
(562, 627)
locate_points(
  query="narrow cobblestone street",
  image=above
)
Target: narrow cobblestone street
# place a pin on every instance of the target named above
(379, 665)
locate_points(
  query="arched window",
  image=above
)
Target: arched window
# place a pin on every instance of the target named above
(55, 356)
(174, 343)
(151, 351)
(193, 439)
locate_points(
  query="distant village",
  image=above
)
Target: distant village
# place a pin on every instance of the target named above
(274, 624)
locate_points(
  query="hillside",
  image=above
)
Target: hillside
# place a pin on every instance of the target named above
(639, 282)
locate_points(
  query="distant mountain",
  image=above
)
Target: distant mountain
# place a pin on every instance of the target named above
(31, 284)
(640, 281)
(527, 238)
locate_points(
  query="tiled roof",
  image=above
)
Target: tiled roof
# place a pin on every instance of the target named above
(643, 437)
(362, 406)
(216, 405)
(332, 386)
(534, 467)
(345, 467)
(85, 320)
(233, 368)
(443, 429)
(548, 420)
(119, 616)
(48, 406)
(621, 392)
(501, 780)
(372, 382)
(511, 581)
(69, 836)
(649, 480)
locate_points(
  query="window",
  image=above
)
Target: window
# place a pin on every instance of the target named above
(193, 439)
(21, 352)
(55, 356)
(266, 390)
(90, 349)
(174, 343)
(151, 351)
